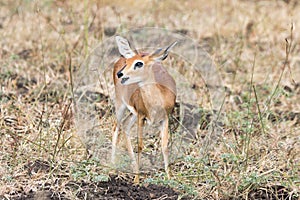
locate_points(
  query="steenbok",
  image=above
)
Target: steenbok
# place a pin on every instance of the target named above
(148, 91)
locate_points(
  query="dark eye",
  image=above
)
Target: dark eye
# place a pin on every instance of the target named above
(138, 64)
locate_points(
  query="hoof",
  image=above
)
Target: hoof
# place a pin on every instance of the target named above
(168, 172)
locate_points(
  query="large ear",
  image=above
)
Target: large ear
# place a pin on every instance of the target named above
(160, 55)
(124, 47)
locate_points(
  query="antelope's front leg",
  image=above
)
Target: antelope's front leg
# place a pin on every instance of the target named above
(140, 145)
(120, 110)
(114, 143)
(134, 163)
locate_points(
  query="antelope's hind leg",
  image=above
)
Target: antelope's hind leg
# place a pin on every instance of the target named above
(164, 145)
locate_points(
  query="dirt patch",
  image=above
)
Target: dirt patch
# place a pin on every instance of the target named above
(118, 188)
(114, 188)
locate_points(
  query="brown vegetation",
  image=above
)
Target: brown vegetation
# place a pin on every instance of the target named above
(255, 45)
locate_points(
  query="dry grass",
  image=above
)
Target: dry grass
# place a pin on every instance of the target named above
(43, 43)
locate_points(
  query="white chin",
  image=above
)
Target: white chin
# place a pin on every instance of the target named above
(128, 81)
(124, 80)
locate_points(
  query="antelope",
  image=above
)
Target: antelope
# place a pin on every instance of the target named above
(148, 91)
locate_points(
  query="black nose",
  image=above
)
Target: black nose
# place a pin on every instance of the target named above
(119, 74)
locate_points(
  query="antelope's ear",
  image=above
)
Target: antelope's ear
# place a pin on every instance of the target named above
(124, 47)
(160, 55)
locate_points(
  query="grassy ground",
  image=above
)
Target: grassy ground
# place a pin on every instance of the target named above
(255, 45)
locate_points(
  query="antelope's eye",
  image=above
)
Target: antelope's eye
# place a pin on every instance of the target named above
(138, 65)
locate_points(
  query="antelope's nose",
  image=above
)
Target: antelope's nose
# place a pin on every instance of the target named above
(119, 74)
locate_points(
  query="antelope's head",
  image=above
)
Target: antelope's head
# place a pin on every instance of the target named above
(137, 66)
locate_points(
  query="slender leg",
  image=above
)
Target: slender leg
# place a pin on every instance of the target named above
(140, 145)
(114, 143)
(129, 145)
(164, 145)
(120, 112)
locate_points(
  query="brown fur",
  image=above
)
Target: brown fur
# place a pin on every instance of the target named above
(132, 92)
(153, 101)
